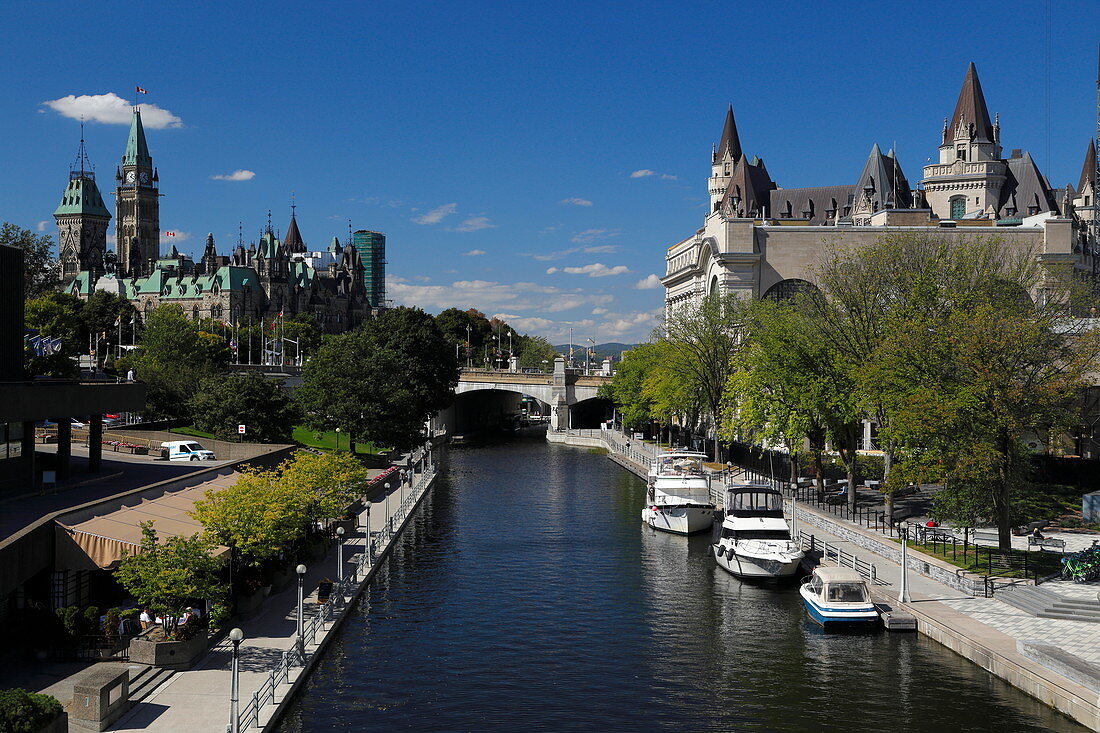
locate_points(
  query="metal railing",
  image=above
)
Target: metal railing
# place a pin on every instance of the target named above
(810, 543)
(342, 591)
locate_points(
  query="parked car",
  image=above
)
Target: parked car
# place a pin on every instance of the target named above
(186, 450)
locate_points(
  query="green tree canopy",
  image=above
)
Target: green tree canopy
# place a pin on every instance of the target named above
(533, 351)
(259, 515)
(41, 270)
(56, 315)
(225, 401)
(169, 576)
(174, 358)
(331, 482)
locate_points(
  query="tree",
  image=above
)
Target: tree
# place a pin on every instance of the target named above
(169, 576)
(627, 388)
(225, 401)
(535, 352)
(56, 315)
(174, 358)
(382, 381)
(702, 338)
(41, 271)
(258, 516)
(331, 481)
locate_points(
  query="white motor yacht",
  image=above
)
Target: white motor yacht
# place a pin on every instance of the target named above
(756, 541)
(678, 498)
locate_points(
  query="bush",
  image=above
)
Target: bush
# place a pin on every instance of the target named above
(26, 712)
(110, 625)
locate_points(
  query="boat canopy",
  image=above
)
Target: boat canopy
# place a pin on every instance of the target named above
(837, 575)
(753, 499)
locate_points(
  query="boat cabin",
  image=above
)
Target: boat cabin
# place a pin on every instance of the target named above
(754, 500)
(680, 464)
(838, 585)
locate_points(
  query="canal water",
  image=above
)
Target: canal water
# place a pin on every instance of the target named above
(528, 596)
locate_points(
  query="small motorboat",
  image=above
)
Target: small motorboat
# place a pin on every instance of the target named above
(838, 598)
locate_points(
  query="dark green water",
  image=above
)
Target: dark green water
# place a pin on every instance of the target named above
(528, 596)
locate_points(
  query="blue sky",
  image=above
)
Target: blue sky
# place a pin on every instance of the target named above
(532, 160)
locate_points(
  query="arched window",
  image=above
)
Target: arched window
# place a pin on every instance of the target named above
(785, 289)
(713, 285)
(958, 207)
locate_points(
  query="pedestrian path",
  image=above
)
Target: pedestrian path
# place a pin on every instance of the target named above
(987, 630)
(199, 699)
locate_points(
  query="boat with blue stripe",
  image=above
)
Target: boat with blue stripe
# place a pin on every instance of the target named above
(839, 598)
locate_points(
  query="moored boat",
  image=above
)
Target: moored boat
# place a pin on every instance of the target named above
(678, 497)
(755, 541)
(837, 598)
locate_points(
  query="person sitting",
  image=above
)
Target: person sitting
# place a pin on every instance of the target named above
(1037, 534)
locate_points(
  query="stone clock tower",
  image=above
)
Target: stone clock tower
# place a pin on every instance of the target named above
(137, 208)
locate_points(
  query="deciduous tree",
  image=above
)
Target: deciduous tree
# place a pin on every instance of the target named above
(225, 401)
(41, 270)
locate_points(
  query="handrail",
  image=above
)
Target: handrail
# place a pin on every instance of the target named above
(840, 556)
(343, 589)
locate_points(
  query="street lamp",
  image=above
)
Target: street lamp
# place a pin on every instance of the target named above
(339, 554)
(235, 636)
(301, 570)
(903, 596)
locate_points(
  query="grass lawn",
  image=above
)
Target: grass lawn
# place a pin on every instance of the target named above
(977, 560)
(192, 431)
(327, 441)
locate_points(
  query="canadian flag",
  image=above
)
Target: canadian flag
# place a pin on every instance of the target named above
(169, 234)
(139, 90)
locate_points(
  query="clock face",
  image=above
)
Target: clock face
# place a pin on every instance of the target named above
(144, 176)
(129, 176)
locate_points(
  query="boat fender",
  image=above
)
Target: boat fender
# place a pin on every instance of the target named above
(720, 551)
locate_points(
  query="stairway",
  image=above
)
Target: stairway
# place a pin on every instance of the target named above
(1047, 604)
(144, 679)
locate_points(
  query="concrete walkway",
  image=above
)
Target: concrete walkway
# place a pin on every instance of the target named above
(199, 699)
(986, 630)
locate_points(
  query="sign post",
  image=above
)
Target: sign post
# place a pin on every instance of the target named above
(240, 432)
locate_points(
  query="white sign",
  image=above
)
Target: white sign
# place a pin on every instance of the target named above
(240, 429)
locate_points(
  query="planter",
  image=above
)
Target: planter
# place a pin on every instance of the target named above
(169, 654)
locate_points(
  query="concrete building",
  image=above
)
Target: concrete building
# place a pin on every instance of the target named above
(759, 239)
(269, 278)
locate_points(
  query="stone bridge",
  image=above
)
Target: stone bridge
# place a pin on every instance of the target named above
(560, 391)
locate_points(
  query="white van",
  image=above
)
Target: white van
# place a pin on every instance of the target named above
(186, 450)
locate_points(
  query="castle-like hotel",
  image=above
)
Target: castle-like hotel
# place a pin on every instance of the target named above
(337, 285)
(762, 240)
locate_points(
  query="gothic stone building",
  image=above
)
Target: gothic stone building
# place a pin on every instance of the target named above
(258, 283)
(762, 240)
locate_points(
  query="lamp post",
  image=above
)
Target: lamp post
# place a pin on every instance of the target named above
(301, 570)
(235, 636)
(903, 596)
(339, 554)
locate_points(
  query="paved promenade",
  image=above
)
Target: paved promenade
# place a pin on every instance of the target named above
(986, 630)
(199, 699)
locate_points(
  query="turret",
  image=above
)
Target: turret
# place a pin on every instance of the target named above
(723, 160)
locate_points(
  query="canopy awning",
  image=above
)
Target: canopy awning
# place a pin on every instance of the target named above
(103, 540)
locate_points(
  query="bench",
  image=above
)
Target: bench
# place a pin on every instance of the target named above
(905, 491)
(934, 534)
(1044, 542)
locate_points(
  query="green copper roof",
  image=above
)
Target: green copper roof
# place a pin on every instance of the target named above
(82, 197)
(137, 150)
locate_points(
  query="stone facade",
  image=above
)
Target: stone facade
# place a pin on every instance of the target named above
(269, 279)
(762, 240)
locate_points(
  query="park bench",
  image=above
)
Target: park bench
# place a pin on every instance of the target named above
(1045, 542)
(927, 535)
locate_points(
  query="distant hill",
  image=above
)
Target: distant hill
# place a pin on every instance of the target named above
(611, 348)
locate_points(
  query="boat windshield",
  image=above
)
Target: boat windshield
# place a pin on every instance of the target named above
(847, 592)
(757, 534)
(680, 466)
(755, 501)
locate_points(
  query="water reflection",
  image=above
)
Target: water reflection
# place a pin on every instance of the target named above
(528, 595)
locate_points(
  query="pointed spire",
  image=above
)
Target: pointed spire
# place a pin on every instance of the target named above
(1088, 170)
(971, 109)
(730, 143)
(137, 150)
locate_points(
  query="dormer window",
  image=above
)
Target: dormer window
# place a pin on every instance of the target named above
(960, 152)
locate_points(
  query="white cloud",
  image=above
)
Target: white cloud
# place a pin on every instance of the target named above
(488, 295)
(41, 226)
(474, 224)
(590, 235)
(631, 327)
(596, 269)
(599, 311)
(650, 283)
(575, 201)
(643, 173)
(112, 109)
(238, 175)
(563, 253)
(436, 215)
(177, 238)
(474, 253)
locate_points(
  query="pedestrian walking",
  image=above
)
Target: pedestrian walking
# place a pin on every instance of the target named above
(146, 619)
(130, 375)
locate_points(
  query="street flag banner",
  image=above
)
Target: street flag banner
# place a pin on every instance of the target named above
(139, 90)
